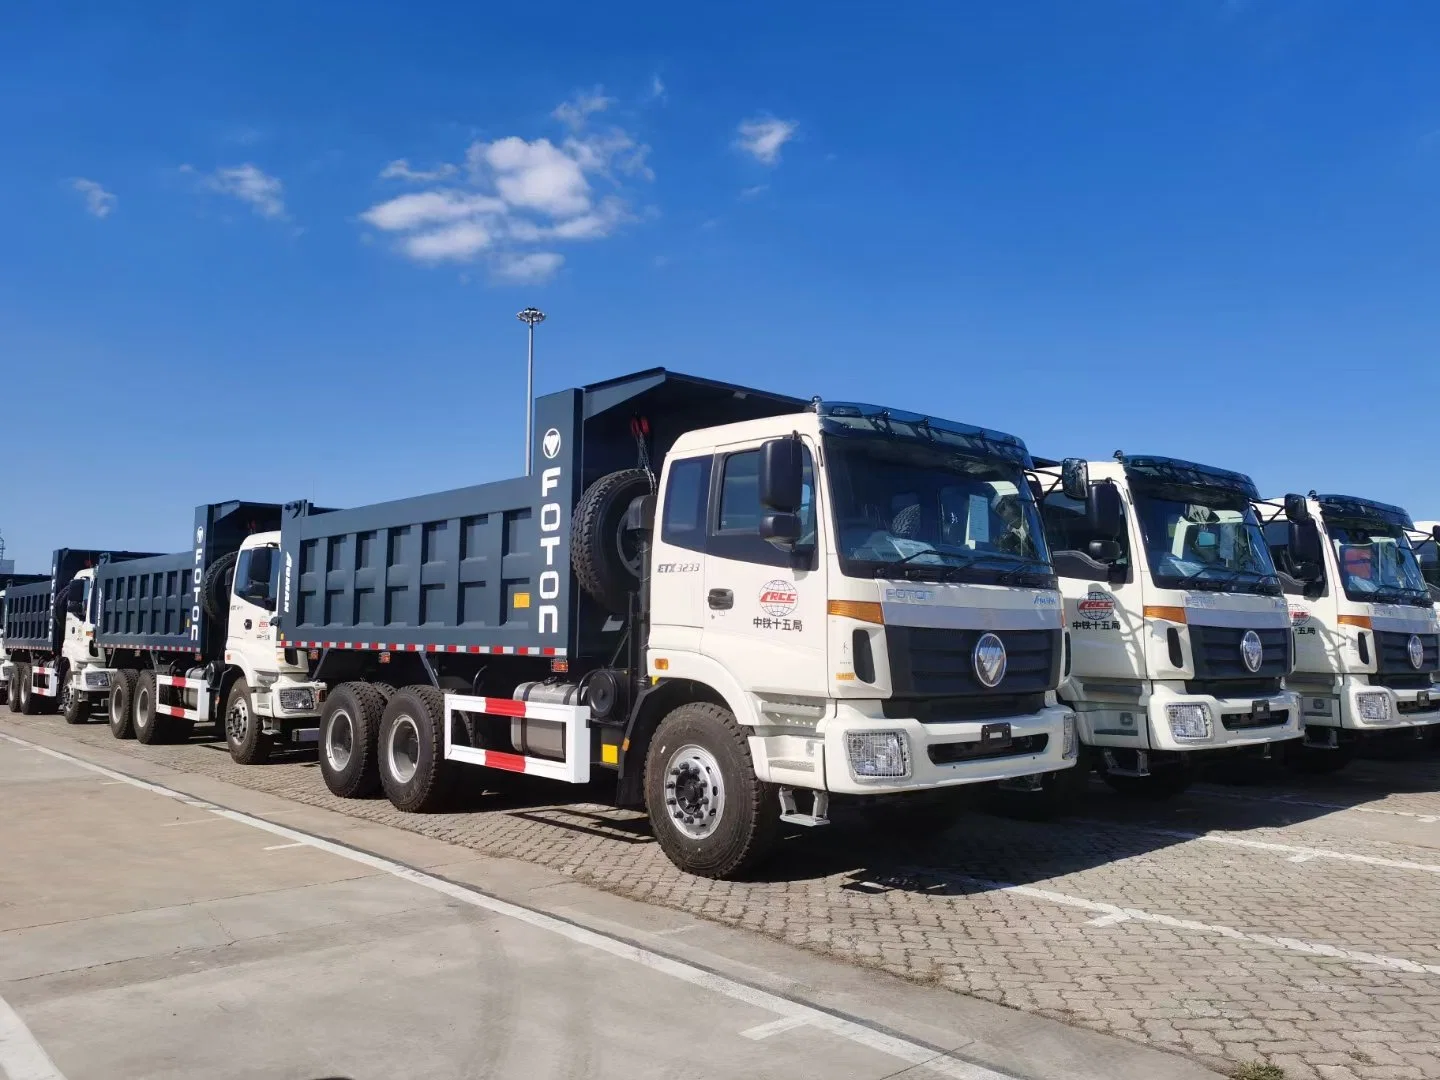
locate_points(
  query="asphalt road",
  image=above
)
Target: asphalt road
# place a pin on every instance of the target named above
(148, 933)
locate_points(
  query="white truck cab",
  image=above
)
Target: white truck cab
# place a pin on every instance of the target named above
(898, 631)
(1368, 645)
(1177, 635)
(85, 682)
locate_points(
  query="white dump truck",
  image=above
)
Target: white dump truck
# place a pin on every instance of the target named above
(1177, 636)
(1368, 646)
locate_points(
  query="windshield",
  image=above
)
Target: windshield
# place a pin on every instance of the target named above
(1376, 561)
(911, 509)
(1204, 538)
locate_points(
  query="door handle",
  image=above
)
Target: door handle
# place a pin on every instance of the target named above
(247, 624)
(721, 599)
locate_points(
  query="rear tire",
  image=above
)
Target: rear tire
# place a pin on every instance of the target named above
(151, 726)
(349, 728)
(244, 733)
(711, 815)
(29, 706)
(411, 750)
(12, 695)
(122, 704)
(606, 564)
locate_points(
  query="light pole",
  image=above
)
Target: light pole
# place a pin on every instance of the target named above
(530, 316)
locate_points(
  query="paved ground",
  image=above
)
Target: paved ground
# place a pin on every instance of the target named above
(147, 932)
(1291, 922)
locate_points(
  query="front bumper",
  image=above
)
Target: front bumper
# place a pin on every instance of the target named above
(1403, 708)
(945, 754)
(1229, 722)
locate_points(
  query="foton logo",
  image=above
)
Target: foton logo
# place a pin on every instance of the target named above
(778, 598)
(549, 583)
(197, 578)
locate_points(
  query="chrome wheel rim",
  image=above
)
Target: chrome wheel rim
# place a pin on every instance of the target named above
(117, 715)
(237, 721)
(694, 791)
(403, 749)
(339, 740)
(141, 700)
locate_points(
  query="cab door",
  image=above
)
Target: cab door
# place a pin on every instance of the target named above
(765, 608)
(252, 606)
(677, 575)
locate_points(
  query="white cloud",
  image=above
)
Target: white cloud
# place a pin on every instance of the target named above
(529, 267)
(576, 112)
(762, 137)
(98, 201)
(517, 195)
(751, 192)
(400, 169)
(264, 193)
(657, 89)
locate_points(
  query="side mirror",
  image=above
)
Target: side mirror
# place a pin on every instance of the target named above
(1307, 555)
(1435, 533)
(1075, 478)
(1104, 514)
(1106, 551)
(1296, 508)
(782, 530)
(782, 467)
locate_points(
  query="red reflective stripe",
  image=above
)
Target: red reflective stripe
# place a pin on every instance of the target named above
(509, 762)
(497, 706)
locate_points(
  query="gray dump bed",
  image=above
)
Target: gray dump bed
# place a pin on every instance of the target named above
(486, 569)
(31, 618)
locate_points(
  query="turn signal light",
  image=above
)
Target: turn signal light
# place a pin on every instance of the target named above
(1173, 614)
(1362, 621)
(864, 610)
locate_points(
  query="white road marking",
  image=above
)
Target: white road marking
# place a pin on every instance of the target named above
(774, 1027)
(1298, 853)
(1288, 944)
(1287, 800)
(21, 1057)
(914, 1053)
(193, 821)
(282, 847)
(1109, 920)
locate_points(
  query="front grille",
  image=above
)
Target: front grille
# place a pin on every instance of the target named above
(1217, 652)
(1239, 721)
(1393, 663)
(1233, 688)
(949, 753)
(929, 662)
(949, 709)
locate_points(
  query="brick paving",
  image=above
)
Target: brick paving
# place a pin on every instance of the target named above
(1216, 952)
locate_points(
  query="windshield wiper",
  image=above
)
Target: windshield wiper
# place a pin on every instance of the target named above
(1393, 594)
(886, 567)
(1028, 566)
(1235, 573)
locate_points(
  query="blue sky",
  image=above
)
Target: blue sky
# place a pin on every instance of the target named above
(274, 251)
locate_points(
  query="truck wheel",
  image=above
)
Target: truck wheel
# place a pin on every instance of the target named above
(711, 815)
(349, 724)
(17, 679)
(215, 587)
(151, 726)
(29, 704)
(248, 743)
(74, 705)
(122, 704)
(411, 751)
(605, 557)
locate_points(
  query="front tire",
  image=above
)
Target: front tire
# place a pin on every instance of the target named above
(74, 705)
(247, 741)
(1060, 792)
(411, 750)
(349, 727)
(1319, 761)
(122, 704)
(711, 815)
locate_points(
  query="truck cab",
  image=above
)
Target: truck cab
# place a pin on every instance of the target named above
(86, 678)
(1368, 645)
(1177, 633)
(870, 592)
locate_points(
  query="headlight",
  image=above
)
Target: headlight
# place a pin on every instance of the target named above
(1067, 743)
(297, 700)
(265, 679)
(97, 680)
(1189, 720)
(1373, 706)
(878, 754)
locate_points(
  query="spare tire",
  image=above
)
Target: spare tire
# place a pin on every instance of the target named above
(606, 559)
(215, 587)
